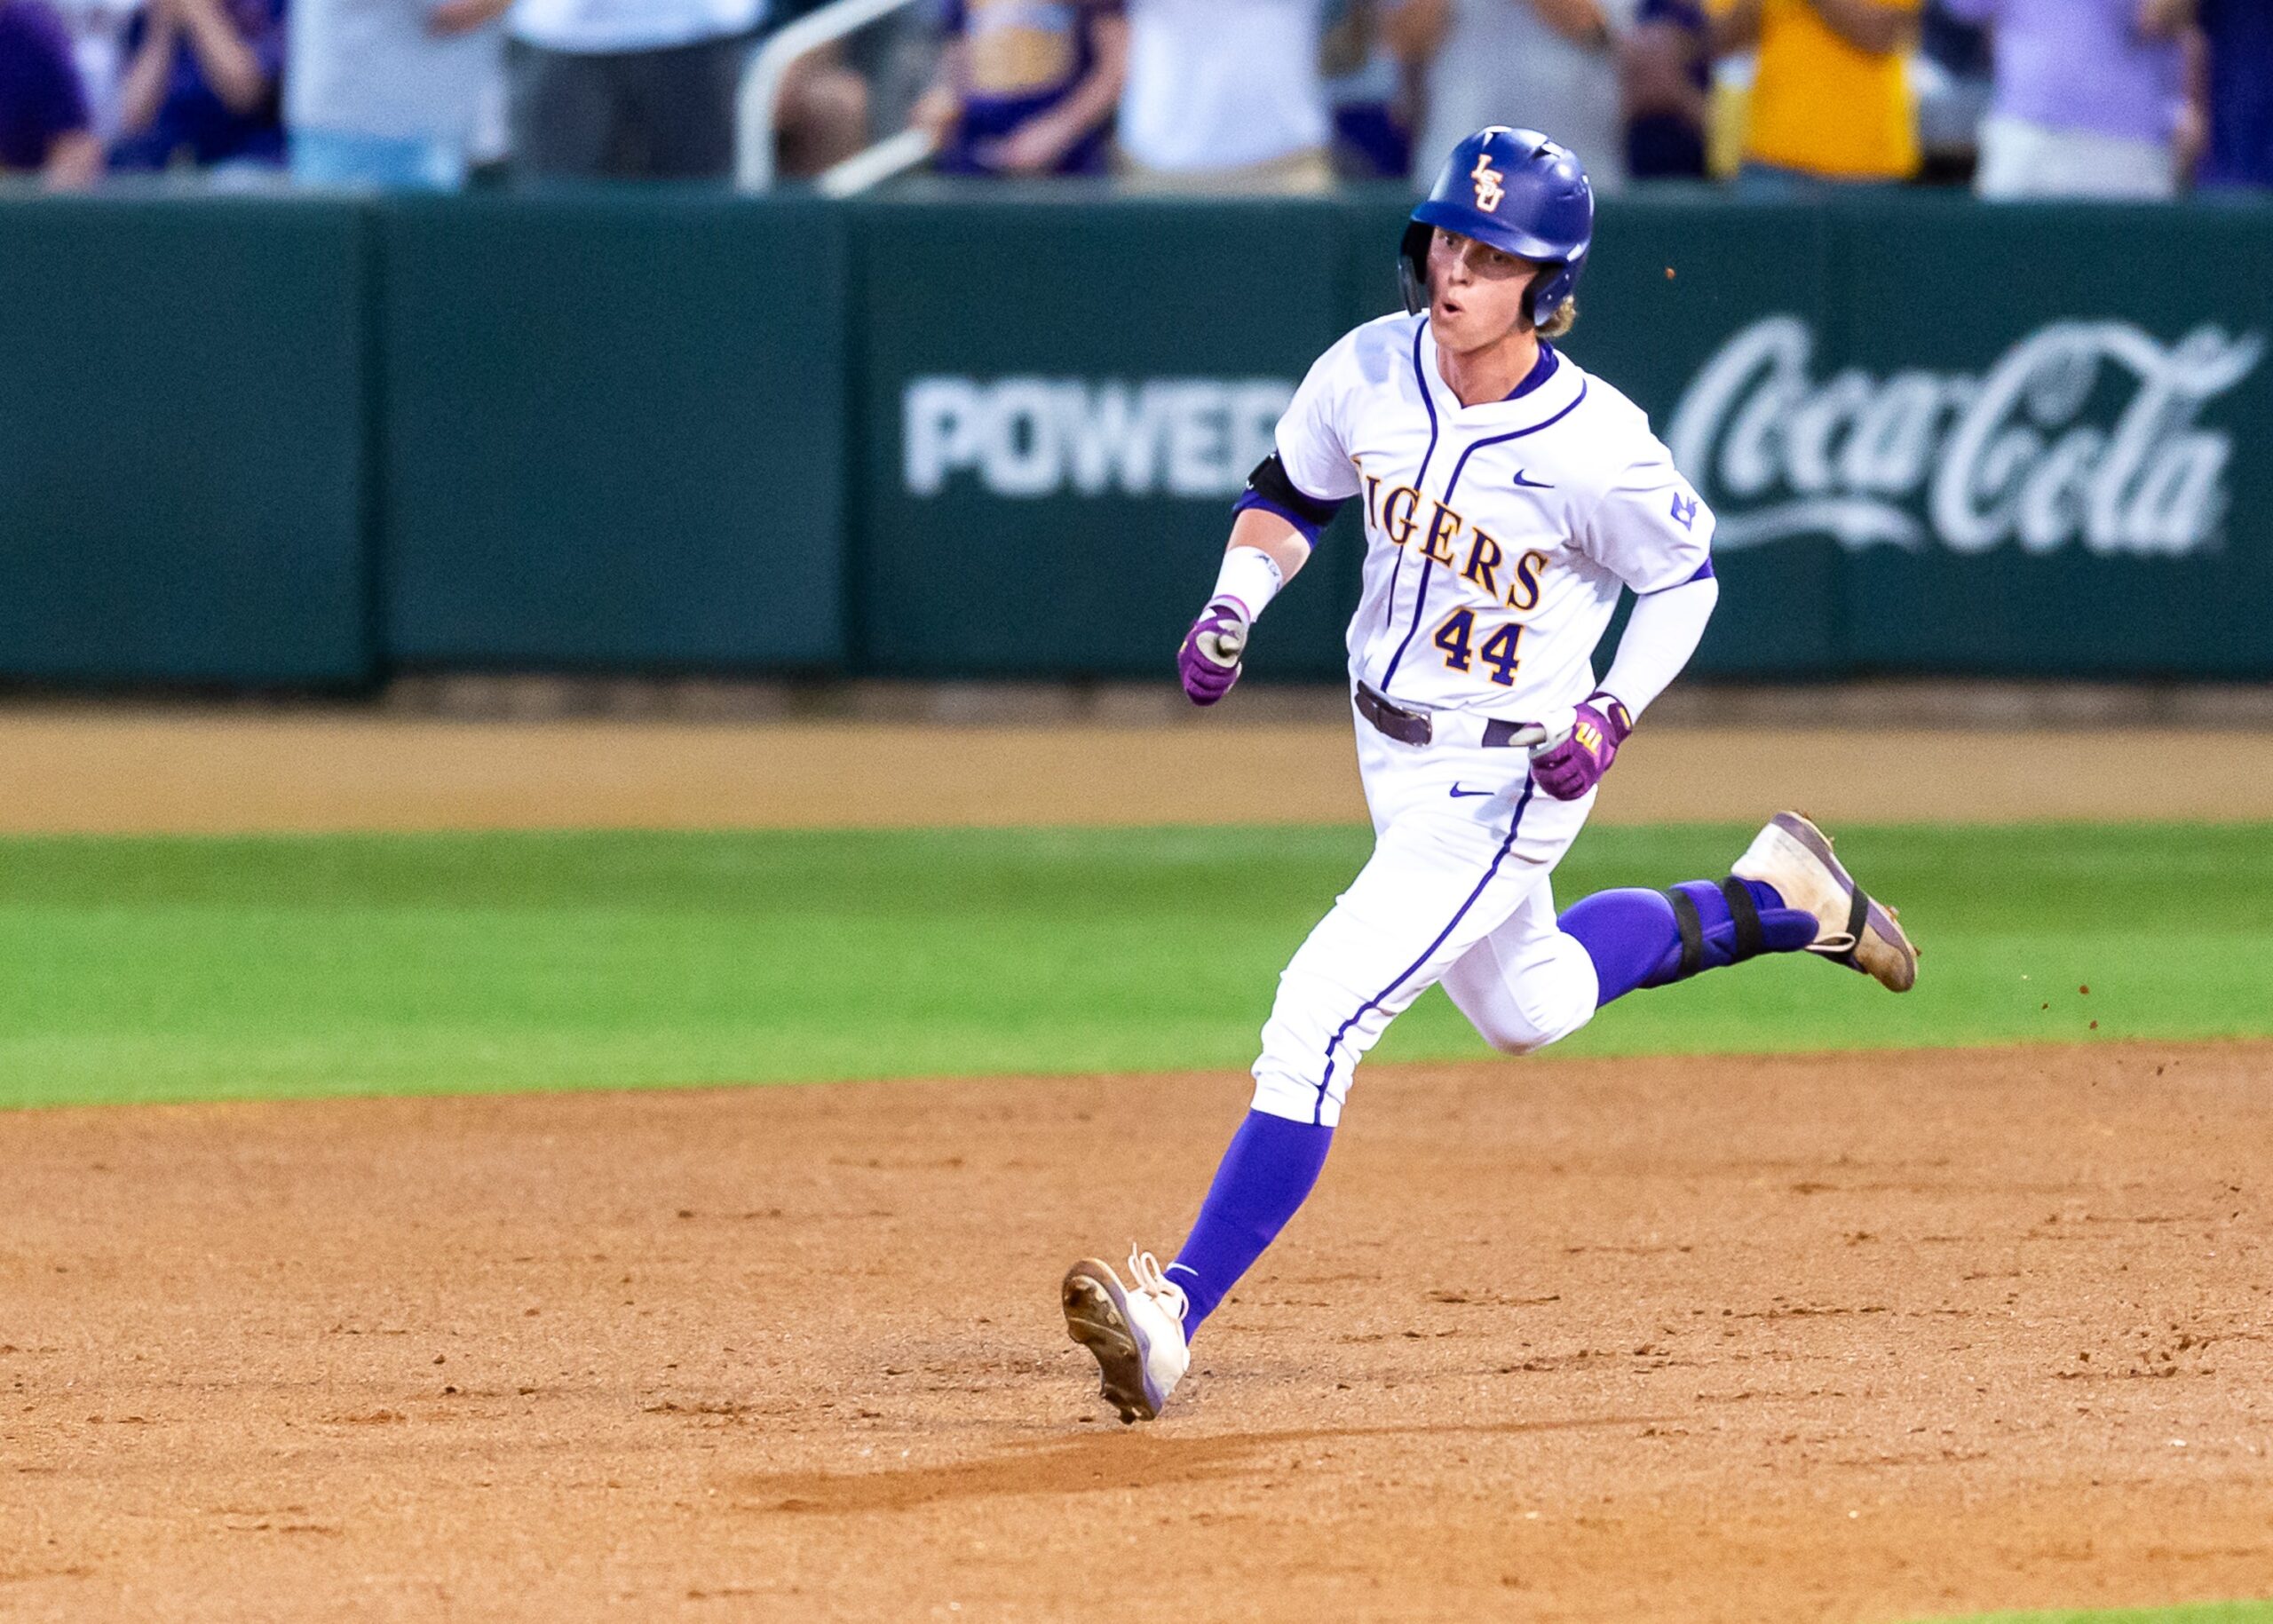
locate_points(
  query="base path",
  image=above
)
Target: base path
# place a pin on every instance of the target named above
(97, 771)
(1855, 1339)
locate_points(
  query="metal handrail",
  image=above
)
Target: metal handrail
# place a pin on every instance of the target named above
(761, 86)
(873, 166)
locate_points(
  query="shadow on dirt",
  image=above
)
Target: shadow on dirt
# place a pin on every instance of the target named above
(1143, 1459)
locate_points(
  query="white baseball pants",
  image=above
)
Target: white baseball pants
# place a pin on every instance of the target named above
(1457, 890)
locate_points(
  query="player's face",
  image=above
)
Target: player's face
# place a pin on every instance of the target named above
(1476, 293)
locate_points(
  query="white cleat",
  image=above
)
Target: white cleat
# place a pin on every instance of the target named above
(1794, 856)
(1137, 1336)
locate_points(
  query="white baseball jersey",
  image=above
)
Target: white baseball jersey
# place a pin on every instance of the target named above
(1497, 536)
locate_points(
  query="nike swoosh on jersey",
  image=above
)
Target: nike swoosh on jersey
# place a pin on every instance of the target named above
(1460, 794)
(1530, 485)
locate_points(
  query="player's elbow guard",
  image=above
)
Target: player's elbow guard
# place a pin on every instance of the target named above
(1268, 488)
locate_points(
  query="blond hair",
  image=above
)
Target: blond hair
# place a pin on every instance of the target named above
(1566, 318)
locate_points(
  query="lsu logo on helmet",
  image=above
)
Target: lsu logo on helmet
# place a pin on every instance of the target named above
(1489, 187)
(1513, 190)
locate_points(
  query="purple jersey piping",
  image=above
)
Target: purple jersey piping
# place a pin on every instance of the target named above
(1397, 565)
(1421, 598)
(1541, 370)
(1704, 572)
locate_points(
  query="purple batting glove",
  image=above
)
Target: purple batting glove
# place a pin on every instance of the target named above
(1208, 663)
(1576, 763)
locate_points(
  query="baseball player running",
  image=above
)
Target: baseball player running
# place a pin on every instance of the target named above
(1507, 497)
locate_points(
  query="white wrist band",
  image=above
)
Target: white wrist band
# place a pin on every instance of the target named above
(1250, 578)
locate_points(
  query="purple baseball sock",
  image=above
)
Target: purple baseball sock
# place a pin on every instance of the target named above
(1268, 1169)
(1633, 937)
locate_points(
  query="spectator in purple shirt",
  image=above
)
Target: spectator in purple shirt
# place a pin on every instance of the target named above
(201, 85)
(44, 129)
(1666, 78)
(1026, 87)
(2238, 91)
(2088, 99)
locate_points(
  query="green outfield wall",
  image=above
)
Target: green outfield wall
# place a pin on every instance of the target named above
(295, 442)
(613, 433)
(186, 465)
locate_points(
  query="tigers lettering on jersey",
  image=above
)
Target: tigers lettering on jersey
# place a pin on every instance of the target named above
(1497, 536)
(1448, 538)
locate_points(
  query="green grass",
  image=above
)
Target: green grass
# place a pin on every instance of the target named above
(2203, 1613)
(140, 970)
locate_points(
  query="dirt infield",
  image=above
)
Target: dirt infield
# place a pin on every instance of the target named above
(1851, 1339)
(102, 772)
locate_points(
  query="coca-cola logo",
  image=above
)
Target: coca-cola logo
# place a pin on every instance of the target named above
(2084, 430)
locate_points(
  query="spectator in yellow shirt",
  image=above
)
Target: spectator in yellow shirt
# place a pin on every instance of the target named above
(1831, 97)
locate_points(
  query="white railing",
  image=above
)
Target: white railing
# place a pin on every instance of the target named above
(894, 154)
(755, 104)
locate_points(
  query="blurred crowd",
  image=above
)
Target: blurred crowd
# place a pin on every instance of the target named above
(2019, 99)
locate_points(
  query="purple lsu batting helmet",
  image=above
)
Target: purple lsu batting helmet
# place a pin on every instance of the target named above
(1518, 192)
